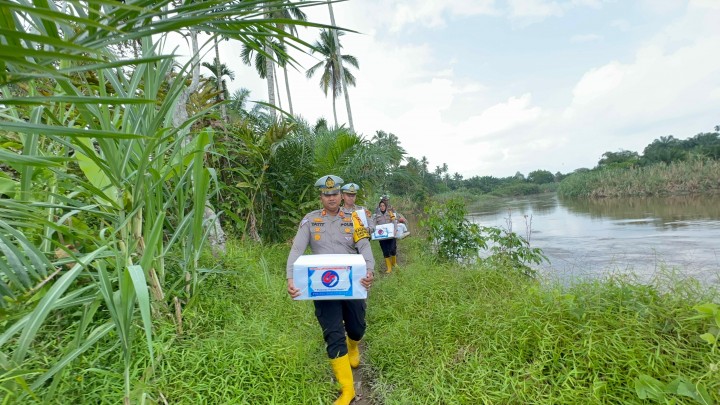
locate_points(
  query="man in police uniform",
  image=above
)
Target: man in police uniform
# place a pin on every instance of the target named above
(331, 231)
(349, 195)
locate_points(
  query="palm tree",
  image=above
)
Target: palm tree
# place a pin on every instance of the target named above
(219, 83)
(331, 76)
(340, 66)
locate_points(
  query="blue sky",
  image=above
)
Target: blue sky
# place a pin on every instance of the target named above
(493, 87)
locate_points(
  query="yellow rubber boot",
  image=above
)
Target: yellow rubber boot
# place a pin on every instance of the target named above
(353, 352)
(394, 260)
(388, 263)
(343, 374)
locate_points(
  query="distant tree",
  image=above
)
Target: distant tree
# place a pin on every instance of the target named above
(620, 159)
(391, 144)
(559, 177)
(519, 176)
(540, 177)
(666, 149)
(706, 145)
(484, 184)
(223, 70)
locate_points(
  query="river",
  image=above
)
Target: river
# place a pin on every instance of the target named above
(591, 238)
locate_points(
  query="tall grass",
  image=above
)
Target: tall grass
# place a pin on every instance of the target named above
(436, 335)
(695, 176)
(470, 335)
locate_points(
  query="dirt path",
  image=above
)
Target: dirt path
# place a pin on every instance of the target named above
(362, 388)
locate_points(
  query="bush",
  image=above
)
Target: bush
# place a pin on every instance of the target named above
(455, 238)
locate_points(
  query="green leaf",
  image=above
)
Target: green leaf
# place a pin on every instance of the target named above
(648, 387)
(143, 297)
(48, 303)
(709, 337)
(55, 130)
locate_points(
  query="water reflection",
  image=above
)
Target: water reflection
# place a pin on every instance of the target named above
(595, 237)
(675, 211)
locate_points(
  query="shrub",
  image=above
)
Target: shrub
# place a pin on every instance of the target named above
(455, 238)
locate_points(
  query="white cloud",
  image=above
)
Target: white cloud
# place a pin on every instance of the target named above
(513, 113)
(432, 13)
(534, 8)
(585, 38)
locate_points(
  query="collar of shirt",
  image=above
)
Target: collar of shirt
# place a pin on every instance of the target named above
(340, 213)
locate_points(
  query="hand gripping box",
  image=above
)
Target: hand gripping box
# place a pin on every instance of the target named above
(330, 277)
(384, 231)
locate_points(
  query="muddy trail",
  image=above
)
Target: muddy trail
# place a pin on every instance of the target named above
(363, 393)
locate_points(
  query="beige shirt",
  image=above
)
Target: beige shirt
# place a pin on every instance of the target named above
(327, 234)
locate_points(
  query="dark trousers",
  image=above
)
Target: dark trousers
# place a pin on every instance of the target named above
(338, 317)
(389, 247)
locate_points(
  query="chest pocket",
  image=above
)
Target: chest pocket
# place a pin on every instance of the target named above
(317, 230)
(346, 227)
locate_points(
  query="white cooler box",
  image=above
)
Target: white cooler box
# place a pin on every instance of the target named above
(330, 277)
(384, 231)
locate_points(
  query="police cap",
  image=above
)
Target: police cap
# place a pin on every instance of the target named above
(350, 188)
(329, 184)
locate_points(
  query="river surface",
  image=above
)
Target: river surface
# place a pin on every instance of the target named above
(591, 238)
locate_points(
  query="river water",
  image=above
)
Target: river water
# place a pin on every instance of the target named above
(591, 238)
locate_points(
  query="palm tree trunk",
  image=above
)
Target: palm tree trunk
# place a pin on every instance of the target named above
(340, 69)
(277, 87)
(269, 71)
(334, 111)
(218, 75)
(287, 87)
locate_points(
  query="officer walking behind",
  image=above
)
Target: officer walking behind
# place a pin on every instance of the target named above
(331, 231)
(349, 195)
(385, 214)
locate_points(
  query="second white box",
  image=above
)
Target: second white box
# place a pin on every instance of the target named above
(384, 231)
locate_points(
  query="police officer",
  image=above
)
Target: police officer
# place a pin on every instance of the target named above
(330, 231)
(385, 214)
(349, 195)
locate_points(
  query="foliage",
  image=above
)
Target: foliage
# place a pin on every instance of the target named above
(457, 239)
(106, 182)
(648, 387)
(267, 171)
(624, 159)
(452, 235)
(541, 177)
(687, 177)
(508, 249)
(478, 334)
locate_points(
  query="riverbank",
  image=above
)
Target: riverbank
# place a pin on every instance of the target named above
(436, 334)
(676, 178)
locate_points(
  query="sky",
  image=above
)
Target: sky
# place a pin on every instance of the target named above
(496, 87)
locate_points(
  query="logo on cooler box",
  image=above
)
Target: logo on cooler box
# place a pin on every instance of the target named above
(330, 278)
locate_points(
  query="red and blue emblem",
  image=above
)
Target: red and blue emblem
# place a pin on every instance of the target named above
(330, 278)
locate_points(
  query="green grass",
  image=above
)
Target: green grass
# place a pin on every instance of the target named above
(436, 335)
(468, 336)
